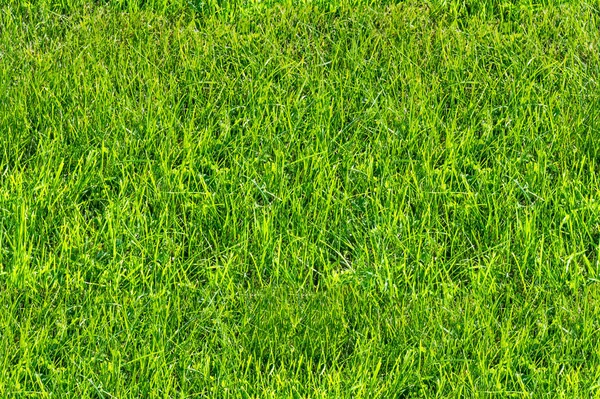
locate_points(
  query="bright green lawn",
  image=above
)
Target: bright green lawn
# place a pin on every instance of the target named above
(309, 200)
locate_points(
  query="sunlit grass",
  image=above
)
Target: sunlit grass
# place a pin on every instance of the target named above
(307, 199)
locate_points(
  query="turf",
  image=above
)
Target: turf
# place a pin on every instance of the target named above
(299, 199)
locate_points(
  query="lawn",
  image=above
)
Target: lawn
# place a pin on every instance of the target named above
(299, 199)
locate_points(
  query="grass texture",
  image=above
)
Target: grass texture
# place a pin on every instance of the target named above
(273, 199)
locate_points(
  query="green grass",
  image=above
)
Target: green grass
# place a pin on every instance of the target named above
(308, 200)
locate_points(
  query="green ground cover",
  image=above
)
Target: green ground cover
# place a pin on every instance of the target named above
(308, 199)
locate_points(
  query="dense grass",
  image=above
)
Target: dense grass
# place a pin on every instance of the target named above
(317, 199)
